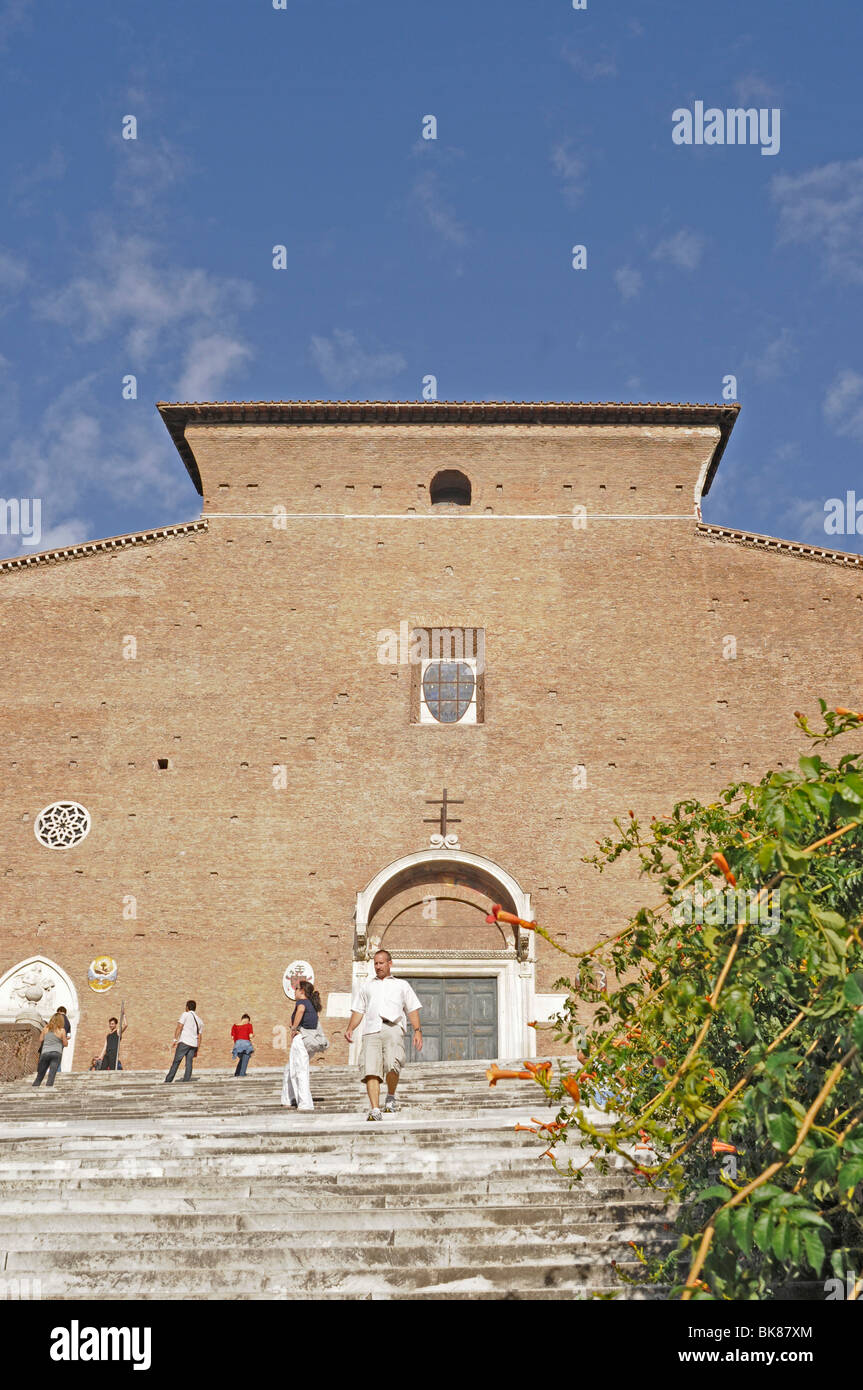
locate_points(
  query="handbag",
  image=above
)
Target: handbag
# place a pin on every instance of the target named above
(315, 1040)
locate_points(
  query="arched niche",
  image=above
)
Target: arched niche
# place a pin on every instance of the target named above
(450, 487)
(463, 885)
(40, 973)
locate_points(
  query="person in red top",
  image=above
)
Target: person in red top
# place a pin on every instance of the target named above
(242, 1034)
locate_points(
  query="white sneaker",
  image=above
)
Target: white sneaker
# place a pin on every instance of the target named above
(390, 1105)
(375, 1114)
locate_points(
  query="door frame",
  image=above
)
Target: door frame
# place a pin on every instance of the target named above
(515, 992)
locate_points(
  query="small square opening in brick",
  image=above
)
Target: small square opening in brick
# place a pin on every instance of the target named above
(163, 764)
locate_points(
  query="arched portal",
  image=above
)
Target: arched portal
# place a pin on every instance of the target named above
(34, 989)
(428, 910)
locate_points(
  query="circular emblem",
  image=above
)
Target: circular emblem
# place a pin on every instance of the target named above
(62, 825)
(297, 967)
(102, 973)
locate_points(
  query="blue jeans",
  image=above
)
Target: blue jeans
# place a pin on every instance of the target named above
(242, 1051)
(183, 1050)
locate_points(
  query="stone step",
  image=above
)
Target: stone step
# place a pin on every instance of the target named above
(195, 1281)
(341, 1250)
(289, 1136)
(412, 1186)
(91, 1206)
(118, 1223)
(355, 1230)
(118, 1187)
(286, 1165)
(16, 1231)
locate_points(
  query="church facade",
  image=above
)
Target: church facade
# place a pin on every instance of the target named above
(410, 662)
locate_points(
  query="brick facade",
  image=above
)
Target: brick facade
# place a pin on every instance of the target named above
(239, 645)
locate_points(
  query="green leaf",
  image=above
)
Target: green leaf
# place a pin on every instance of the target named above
(782, 1130)
(850, 1174)
(824, 1163)
(811, 767)
(712, 1193)
(781, 1242)
(746, 1026)
(851, 787)
(762, 1231)
(744, 1228)
(852, 993)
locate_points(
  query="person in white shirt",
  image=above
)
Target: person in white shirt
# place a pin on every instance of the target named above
(187, 1040)
(384, 1002)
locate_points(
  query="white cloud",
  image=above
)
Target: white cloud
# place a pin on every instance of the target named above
(14, 15)
(683, 250)
(82, 449)
(13, 272)
(590, 69)
(428, 196)
(570, 169)
(824, 207)
(774, 359)
(752, 90)
(24, 186)
(208, 361)
(628, 282)
(843, 404)
(146, 169)
(127, 289)
(804, 520)
(342, 362)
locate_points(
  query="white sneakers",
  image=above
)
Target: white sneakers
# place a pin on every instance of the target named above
(375, 1114)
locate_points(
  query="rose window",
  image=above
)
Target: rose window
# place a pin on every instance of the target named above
(62, 825)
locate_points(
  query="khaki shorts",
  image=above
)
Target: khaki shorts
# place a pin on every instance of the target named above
(382, 1052)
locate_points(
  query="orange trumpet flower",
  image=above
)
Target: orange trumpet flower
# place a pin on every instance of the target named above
(497, 914)
(496, 1074)
(571, 1085)
(722, 863)
(718, 1146)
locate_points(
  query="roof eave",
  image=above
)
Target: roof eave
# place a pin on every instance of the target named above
(178, 415)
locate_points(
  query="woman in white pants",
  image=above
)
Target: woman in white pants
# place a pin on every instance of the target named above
(305, 1035)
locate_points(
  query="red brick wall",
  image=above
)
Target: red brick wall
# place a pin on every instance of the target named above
(257, 646)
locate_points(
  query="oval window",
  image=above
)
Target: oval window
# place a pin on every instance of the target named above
(448, 688)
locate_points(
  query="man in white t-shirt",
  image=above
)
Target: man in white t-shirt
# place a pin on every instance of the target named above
(187, 1041)
(384, 1002)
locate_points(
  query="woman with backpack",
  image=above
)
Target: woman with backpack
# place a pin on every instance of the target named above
(307, 1039)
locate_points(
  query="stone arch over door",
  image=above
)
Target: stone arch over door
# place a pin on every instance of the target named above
(20, 996)
(457, 943)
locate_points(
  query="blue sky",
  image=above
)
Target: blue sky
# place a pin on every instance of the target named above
(408, 257)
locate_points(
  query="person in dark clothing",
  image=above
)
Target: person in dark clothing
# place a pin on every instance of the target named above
(108, 1056)
(61, 1009)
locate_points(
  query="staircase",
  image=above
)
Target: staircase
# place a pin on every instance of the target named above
(113, 1185)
